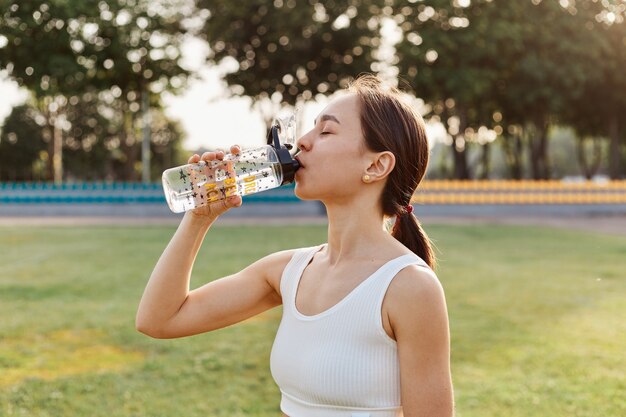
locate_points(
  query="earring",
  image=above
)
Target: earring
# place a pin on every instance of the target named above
(366, 178)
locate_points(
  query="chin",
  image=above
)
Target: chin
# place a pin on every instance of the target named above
(313, 193)
(300, 192)
(306, 193)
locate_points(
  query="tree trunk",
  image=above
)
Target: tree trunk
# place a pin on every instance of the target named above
(48, 137)
(52, 111)
(485, 162)
(615, 154)
(512, 147)
(128, 143)
(589, 168)
(538, 143)
(145, 143)
(50, 150)
(57, 156)
(459, 149)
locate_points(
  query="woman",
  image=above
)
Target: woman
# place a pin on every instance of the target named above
(365, 328)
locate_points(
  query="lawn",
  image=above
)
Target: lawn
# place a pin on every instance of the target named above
(538, 322)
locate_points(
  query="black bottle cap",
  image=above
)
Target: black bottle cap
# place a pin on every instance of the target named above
(288, 164)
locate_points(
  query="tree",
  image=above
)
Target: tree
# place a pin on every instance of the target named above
(38, 56)
(526, 61)
(60, 49)
(21, 144)
(91, 142)
(597, 110)
(287, 51)
(141, 60)
(603, 104)
(449, 55)
(90, 138)
(166, 144)
(613, 84)
(550, 71)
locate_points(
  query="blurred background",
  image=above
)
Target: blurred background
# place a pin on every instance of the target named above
(108, 94)
(511, 90)
(525, 105)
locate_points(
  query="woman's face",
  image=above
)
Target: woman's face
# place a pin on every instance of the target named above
(333, 154)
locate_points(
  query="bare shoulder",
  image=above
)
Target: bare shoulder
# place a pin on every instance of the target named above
(415, 283)
(276, 260)
(414, 294)
(272, 267)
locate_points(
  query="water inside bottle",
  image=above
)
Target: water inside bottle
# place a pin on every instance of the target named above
(197, 185)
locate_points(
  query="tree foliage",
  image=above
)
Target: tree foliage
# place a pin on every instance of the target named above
(487, 69)
(602, 105)
(68, 46)
(515, 67)
(289, 50)
(21, 145)
(448, 54)
(68, 52)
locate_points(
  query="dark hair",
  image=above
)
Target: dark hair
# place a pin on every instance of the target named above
(389, 123)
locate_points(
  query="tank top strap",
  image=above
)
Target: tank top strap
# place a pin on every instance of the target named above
(391, 270)
(292, 272)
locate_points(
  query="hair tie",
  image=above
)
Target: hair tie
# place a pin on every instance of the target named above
(407, 210)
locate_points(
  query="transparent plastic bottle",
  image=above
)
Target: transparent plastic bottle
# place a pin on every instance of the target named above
(251, 171)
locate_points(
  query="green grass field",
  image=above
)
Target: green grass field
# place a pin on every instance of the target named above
(538, 321)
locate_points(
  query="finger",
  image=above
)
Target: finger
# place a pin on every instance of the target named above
(230, 167)
(211, 156)
(235, 149)
(208, 156)
(232, 201)
(235, 201)
(193, 159)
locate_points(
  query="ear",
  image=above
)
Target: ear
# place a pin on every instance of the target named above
(381, 165)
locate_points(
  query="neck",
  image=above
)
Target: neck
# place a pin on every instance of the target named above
(354, 228)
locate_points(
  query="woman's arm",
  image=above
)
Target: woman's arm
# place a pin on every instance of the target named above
(419, 319)
(168, 309)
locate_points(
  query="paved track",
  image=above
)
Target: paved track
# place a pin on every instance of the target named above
(613, 225)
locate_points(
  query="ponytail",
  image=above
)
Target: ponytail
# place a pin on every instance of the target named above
(389, 123)
(409, 232)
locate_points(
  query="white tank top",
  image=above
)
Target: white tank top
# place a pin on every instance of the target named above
(340, 362)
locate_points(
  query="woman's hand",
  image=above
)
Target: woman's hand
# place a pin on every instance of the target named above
(219, 207)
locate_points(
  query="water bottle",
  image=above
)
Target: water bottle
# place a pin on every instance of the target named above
(251, 171)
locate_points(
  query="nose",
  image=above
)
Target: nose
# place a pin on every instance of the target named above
(304, 142)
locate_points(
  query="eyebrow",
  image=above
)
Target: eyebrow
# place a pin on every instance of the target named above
(325, 117)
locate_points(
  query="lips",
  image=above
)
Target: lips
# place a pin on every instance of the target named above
(300, 162)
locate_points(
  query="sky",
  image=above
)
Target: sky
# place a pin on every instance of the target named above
(211, 119)
(10, 96)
